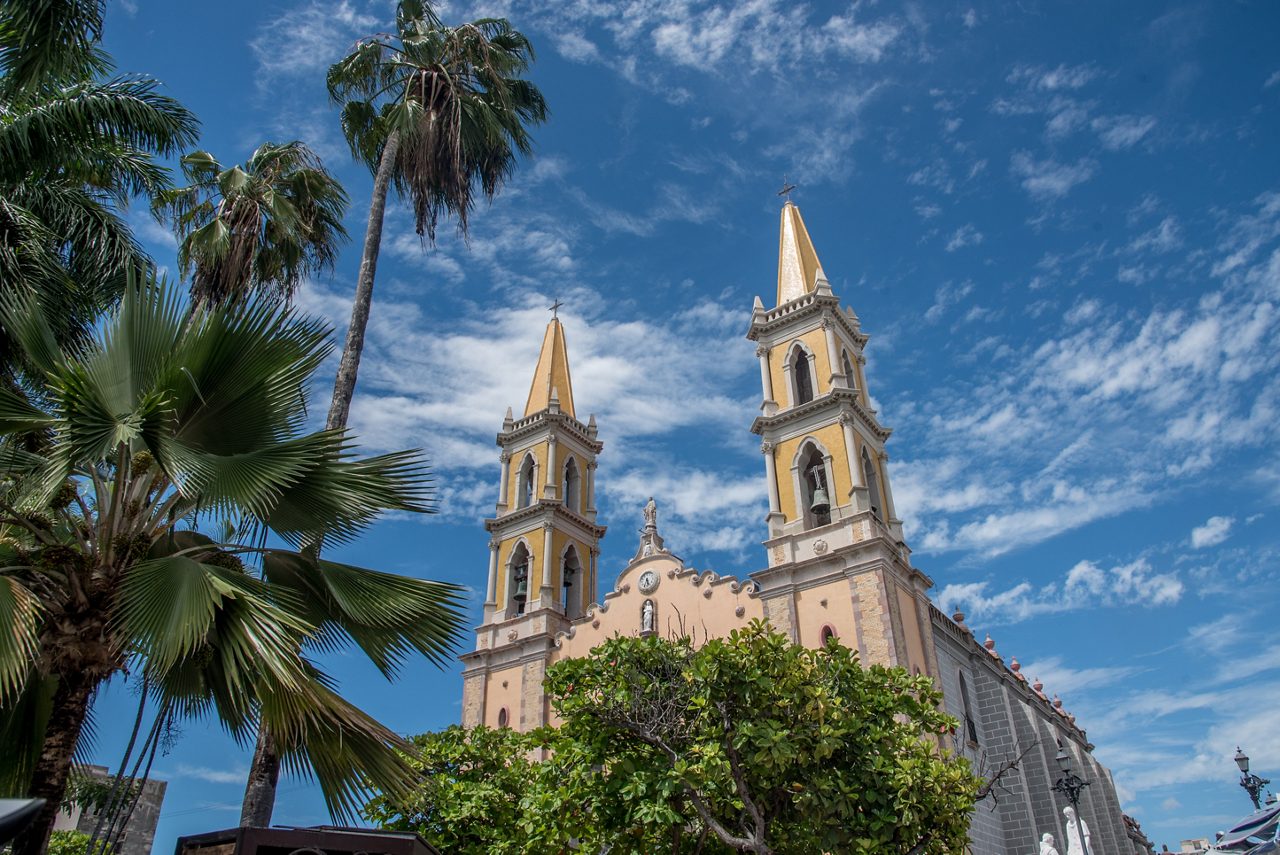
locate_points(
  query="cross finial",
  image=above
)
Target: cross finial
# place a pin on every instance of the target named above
(554, 309)
(785, 192)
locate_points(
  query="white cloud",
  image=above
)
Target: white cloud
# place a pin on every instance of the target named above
(309, 39)
(1165, 237)
(966, 235)
(1084, 586)
(1066, 77)
(1048, 179)
(1213, 532)
(971, 19)
(946, 297)
(576, 47)
(1121, 132)
(1272, 80)
(213, 776)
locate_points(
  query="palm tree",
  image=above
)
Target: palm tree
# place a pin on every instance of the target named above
(440, 112)
(74, 148)
(262, 226)
(170, 526)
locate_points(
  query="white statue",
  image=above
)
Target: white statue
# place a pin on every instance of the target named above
(1046, 845)
(651, 514)
(646, 616)
(1077, 833)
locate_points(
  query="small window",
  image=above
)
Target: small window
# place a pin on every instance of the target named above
(970, 727)
(803, 377)
(571, 489)
(524, 494)
(502, 717)
(828, 633)
(873, 483)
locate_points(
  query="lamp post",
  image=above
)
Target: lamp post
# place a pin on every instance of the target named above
(1252, 783)
(1070, 784)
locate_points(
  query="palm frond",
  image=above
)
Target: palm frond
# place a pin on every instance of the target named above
(49, 40)
(19, 639)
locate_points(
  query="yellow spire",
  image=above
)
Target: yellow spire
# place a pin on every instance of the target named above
(551, 379)
(798, 266)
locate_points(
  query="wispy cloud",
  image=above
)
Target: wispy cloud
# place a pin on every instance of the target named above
(1121, 132)
(1214, 531)
(1048, 179)
(966, 235)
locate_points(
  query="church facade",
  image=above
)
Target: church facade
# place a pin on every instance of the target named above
(837, 564)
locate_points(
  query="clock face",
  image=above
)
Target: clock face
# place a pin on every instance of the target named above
(648, 582)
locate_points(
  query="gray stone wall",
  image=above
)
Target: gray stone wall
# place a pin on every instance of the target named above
(141, 830)
(1011, 718)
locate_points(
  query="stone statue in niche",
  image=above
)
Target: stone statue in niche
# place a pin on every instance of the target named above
(1046, 845)
(1078, 838)
(646, 616)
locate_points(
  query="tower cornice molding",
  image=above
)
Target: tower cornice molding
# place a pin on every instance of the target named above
(555, 423)
(543, 514)
(847, 399)
(811, 305)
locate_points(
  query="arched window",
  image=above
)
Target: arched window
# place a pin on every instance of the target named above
(502, 717)
(801, 376)
(828, 633)
(572, 500)
(873, 483)
(571, 582)
(814, 487)
(518, 589)
(970, 727)
(524, 491)
(851, 377)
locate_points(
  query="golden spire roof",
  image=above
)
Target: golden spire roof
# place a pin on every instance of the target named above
(798, 266)
(551, 380)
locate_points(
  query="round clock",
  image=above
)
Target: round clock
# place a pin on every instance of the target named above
(648, 582)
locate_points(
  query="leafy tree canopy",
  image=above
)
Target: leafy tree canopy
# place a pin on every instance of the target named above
(748, 743)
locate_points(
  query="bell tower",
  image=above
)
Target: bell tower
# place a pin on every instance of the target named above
(543, 546)
(837, 563)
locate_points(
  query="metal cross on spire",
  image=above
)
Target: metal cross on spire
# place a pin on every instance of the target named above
(554, 309)
(785, 192)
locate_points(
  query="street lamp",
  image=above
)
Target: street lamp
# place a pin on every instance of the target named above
(1252, 783)
(1070, 784)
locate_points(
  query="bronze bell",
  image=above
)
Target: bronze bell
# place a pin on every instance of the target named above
(821, 504)
(522, 590)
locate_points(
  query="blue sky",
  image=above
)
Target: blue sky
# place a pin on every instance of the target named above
(1060, 224)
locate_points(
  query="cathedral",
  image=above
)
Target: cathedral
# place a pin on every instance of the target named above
(836, 565)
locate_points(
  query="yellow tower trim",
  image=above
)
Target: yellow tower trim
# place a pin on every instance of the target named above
(798, 266)
(551, 379)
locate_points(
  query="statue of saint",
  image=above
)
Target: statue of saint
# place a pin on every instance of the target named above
(1046, 845)
(1077, 833)
(646, 616)
(651, 514)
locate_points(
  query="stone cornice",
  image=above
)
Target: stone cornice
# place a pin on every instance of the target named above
(978, 652)
(812, 304)
(545, 509)
(838, 396)
(560, 422)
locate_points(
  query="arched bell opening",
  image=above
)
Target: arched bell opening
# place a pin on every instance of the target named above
(518, 580)
(528, 478)
(815, 484)
(873, 484)
(571, 577)
(572, 486)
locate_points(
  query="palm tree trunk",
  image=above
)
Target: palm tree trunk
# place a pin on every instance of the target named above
(260, 792)
(49, 781)
(264, 774)
(344, 386)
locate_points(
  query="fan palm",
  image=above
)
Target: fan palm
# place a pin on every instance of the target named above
(262, 226)
(74, 148)
(166, 422)
(440, 112)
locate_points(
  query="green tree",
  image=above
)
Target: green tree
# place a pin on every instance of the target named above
(257, 227)
(68, 843)
(140, 537)
(75, 146)
(746, 744)
(440, 112)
